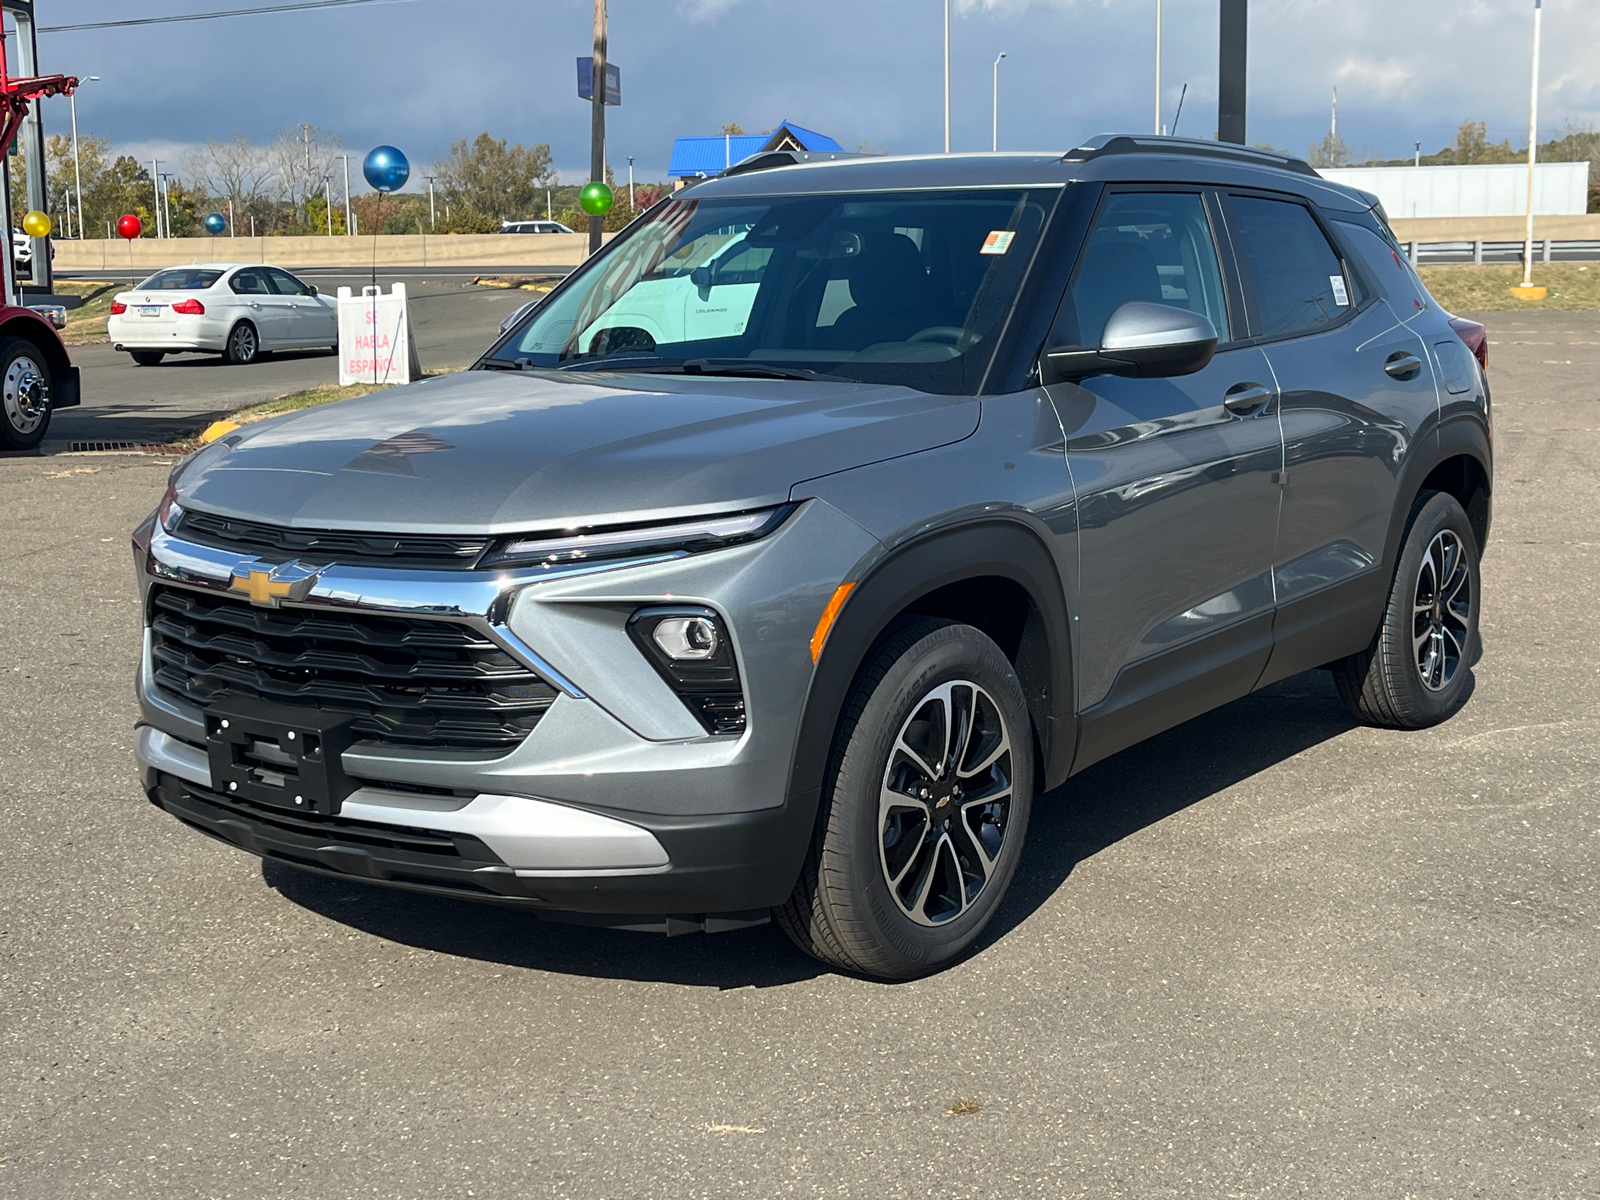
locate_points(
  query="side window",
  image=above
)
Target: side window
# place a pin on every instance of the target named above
(1299, 280)
(250, 282)
(1153, 246)
(1402, 288)
(286, 284)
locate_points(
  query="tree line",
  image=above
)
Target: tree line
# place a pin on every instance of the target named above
(282, 188)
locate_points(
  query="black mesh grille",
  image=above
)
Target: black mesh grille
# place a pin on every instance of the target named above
(410, 682)
(438, 551)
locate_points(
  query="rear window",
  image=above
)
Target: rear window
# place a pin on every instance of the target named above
(180, 279)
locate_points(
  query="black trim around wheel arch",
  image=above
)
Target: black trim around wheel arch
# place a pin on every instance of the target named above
(1004, 548)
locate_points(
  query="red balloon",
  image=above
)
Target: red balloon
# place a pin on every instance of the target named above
(129, 226)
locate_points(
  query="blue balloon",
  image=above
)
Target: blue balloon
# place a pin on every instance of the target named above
(386, 169)
(215, 223)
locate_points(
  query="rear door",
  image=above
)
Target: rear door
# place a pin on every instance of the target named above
(1176, 482)
(262, 306)
(1355, 389)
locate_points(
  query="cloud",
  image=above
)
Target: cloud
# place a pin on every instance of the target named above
(705, 10)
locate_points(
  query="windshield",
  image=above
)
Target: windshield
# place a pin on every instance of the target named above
(909, 288)
(181, 279)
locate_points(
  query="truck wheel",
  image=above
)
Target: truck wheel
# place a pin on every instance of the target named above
(148, 358)
(24, 394)
(1415, 672)
(924, 808)
(242, 346)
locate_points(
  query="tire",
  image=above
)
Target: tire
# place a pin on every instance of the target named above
(148, 358)
(1414, 674)
(903, 890)
(25, 407)
(243, 346)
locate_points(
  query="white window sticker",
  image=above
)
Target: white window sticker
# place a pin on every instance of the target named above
(1340, 296)
(998, 241)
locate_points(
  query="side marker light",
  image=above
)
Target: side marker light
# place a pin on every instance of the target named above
(829, 615)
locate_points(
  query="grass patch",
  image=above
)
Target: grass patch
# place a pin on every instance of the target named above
(87, 324)
(528, 283)
(1468, 288)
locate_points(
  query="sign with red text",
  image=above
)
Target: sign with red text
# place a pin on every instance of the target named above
(376, 344)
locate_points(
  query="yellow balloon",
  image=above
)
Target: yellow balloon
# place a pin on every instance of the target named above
(36, 224)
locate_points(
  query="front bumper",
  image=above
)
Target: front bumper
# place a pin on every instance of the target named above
(617, 803)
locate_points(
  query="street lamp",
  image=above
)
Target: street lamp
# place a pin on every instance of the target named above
(947, 76)
(630, 182)
(164, 187)
(77, 169)
(432, 211)
(996, 140)
(327, 198)
(1158, 66)
(1533, 145)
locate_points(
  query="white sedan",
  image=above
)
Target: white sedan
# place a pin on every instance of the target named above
(239, 310)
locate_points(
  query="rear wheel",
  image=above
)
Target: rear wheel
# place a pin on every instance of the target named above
(24, 394)
(148, 358)
(1415, 672)
(924, 810)
(243, 345)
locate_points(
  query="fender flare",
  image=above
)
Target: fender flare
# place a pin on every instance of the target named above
(1002, 547)
(1460, 437)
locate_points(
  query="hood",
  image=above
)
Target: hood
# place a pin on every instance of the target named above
(497, 452)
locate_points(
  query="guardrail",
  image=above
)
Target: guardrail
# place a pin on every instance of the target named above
(1549, 250)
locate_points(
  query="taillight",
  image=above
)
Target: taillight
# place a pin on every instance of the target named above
(117, 306)
(1475, 336)
(189, 308)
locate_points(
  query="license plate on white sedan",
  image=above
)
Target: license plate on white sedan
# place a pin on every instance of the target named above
(149, 310)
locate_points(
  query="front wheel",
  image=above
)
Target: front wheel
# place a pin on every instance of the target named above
(1414, 674)
(924, 810)
(24, 394)
(243, 345)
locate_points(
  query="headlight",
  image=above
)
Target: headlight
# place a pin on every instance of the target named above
(683, 537)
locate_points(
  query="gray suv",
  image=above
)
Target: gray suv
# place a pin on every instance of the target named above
(776, 562)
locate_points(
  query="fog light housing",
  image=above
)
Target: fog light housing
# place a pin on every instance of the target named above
(690, 649)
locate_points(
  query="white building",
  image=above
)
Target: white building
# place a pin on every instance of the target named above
(1478, 190)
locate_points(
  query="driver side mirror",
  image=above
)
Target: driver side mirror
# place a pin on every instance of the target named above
(312, 288)
(1150, 341)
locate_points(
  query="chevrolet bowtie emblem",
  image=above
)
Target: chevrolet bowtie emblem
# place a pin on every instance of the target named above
(267, 586)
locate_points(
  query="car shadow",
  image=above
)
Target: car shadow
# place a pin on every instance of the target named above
(1097, 809)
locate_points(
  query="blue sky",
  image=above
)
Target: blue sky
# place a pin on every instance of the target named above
(422, 73)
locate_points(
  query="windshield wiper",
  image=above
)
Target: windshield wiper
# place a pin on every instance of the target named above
(740, 368)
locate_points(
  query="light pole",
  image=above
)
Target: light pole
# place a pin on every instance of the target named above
(349, 226)
(327, 198)
(1533, 146)
(947, 76)
(995, 144)
(432, 211)
(1418, 161)
(155, 182)
(166, 213)
(1158, 66)
(77, 169)
(630, 183)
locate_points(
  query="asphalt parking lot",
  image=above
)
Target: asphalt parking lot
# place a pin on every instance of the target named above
(1268, 954)
(454, 323)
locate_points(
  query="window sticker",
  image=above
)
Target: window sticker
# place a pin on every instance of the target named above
(998, 241)
(1340, 296)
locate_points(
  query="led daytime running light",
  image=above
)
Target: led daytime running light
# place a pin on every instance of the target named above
(705, 534)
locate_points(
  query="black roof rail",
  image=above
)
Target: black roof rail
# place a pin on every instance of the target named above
(764, 160)
(1150, 143)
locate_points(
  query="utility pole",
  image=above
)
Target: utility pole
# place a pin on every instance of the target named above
(305, 136)
(597, 118)
(1233, 43)
(77, 168)
(947, 76)
(349, 226)
(431, 210)
(155, 182)
(1158, 66)
(995, 140)
(1533, 146)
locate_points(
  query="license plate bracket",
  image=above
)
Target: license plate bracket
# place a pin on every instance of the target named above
(280, 756)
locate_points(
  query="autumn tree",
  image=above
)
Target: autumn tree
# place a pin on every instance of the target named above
(487, 181)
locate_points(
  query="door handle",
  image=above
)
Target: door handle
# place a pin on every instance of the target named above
(1402, 364)
(1246, 399)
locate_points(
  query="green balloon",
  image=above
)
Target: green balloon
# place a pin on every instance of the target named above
(596, 199)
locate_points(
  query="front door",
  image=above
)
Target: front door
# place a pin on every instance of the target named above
(1177, 486)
